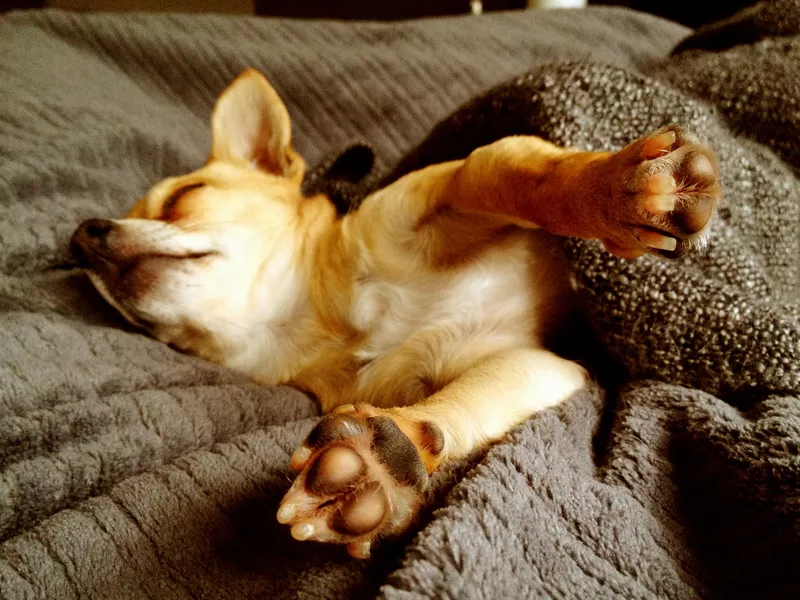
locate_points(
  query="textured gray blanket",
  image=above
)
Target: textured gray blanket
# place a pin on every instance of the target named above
(132, 471)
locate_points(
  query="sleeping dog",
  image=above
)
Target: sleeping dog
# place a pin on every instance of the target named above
(418, 321)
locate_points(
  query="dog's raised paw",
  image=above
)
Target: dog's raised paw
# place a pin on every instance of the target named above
(667, 188)
(361, 478)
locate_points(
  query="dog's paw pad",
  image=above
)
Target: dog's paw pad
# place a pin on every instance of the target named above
(361, 478)
(670, 189)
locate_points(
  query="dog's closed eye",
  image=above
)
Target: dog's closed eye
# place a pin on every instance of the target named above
(168, 208)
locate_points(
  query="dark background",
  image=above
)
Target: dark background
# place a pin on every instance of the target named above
(689, 12)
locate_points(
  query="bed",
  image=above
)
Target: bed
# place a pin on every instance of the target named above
(130, 470)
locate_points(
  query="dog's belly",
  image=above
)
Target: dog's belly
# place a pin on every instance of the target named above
(423, 329)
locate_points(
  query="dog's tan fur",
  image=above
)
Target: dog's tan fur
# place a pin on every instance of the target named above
(429, 303)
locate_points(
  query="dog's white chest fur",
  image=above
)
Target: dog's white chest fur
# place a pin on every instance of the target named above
(423, 327)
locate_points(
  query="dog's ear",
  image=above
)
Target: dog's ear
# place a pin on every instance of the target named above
(250, 125)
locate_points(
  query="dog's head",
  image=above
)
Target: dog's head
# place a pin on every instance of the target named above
(205, 258)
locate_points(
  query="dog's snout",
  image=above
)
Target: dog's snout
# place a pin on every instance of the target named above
(88, 238)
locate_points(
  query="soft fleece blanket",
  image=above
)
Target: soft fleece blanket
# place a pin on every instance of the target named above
(132, 471)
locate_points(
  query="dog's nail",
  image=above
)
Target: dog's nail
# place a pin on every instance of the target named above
(359, 549)
(345, 408)
(300, 457)
(286, 513)
(302, 531)
(660, 203)
(622, 252)
(661, 183)
(651, 239)
(658, 145)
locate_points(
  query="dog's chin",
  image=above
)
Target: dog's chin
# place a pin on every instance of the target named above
(181, 337)
(136, 288)
(129, 285)
(107, 283)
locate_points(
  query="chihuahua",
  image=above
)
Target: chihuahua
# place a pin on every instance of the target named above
(418, 321)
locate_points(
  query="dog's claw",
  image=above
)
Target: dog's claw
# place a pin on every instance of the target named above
(302, 531)
(287, 512)
(658, 145)
(660, 204)
(661, 183)
(360, 550)
(651, 239)
(300, 457)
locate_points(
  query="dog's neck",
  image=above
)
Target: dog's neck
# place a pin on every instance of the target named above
(312, 319)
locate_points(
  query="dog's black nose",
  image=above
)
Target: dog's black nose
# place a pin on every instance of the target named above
(96, 228)
(88, 239)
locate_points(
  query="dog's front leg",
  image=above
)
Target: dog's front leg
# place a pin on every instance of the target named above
(655, 195)
(363, 470)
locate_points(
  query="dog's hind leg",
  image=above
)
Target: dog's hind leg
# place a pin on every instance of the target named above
(363, 470)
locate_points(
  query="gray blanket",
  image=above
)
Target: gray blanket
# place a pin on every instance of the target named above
(132, 471)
